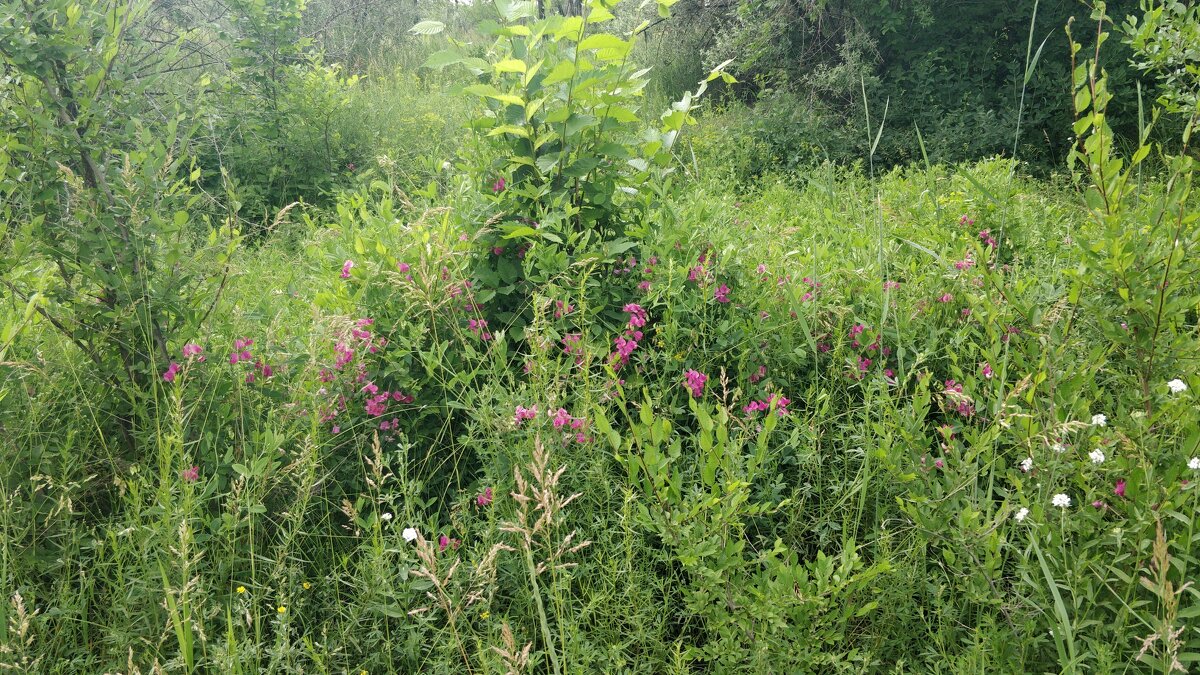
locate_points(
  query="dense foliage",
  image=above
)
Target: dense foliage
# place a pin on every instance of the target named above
(328, 349)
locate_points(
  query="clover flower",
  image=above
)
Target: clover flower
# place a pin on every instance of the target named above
(1019, 516)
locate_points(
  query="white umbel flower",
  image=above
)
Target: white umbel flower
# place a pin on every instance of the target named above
(1177, 386)
(1061, 500)
(1194, 464)
(1027, 464)
(1097, 456)
(1059, 448)
(409, 534)
(1099, 420)
(1019, 516)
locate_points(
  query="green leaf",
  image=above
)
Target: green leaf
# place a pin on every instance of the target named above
(560, 73)
(510, 66)
(427, 28)
(443, 58)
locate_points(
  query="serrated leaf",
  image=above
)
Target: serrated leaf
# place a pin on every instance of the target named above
(427, 27)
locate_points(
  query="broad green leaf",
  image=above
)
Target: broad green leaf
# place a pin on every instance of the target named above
(428, 28)
(510, 66)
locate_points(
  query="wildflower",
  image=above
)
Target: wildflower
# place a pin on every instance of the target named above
(281, 609)
(191, 474)
(1097, 456)
(946, 297)
(1019, 516)
(1061, 500)
(695, 382)
(485, 498)
(758, 375)
(484, 614)
(409, 534)
(346, 266)
(497, 250)
(522, 413)
(241, 590)
(386, 517)
(1099, 504)
(192, 349)
(1099, 420)
(1119, 488)
(1176, 386)
(721, 294)
(987, 370)
(761, 269)
(1059, 448)
(169, 375)
(1194, 464)
(499, 185)
(561, 418)
(939, 464)
(402, 266)
(637, 315)
(306, 585)
(891, 285)
(964, 264)
(1027, 464)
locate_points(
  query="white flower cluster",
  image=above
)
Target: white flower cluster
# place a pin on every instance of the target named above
(1177, 386)
(1019, 516)
(1061, 500)
(1099, 420)
(1097, 456)
(1027, 464)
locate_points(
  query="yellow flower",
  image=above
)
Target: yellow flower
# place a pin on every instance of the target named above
(281, 609)
(485, 614)
(241, 589)
(306, 585)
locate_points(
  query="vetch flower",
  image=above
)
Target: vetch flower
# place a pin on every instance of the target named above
(191, 475)
(485, 498)
(1177, 386)
(986, 370)
(1119, 489)
(1097, 456)
(721, 294)
(1019, 516)
(499, 185)
(695, 381)
(169, 375)
(1061, 500)
(409, 534)
(1099, 420)
(192, 349)
(346, 266)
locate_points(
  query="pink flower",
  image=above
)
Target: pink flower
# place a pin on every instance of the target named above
(761, 269)
(497, 250)
(938, 463)
(644, 286)
(561, 418)
(637, 315)
(1119, 490)
(172, 369)
(191, 475)
(891, 285)
(499, 185)
(946, 297)
(192, 349)
(721, 294)
(523, 413)
(987, 370)
(346, 266)
(695, 381)
(758, 375)
(402, 266)
(443, 542)
(485, 498)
